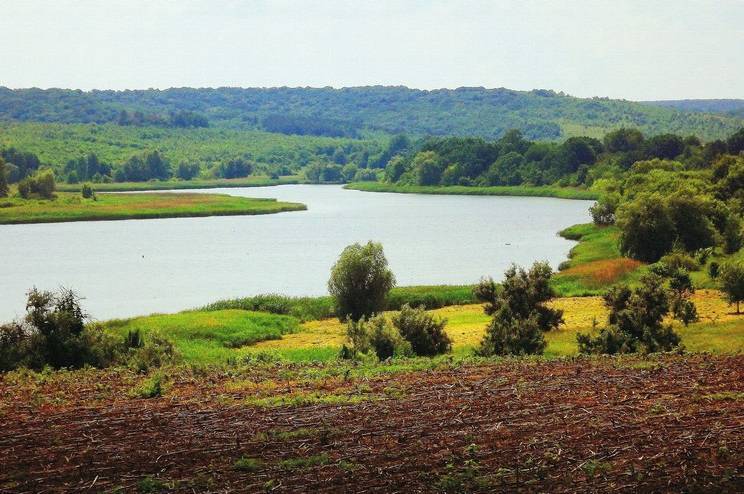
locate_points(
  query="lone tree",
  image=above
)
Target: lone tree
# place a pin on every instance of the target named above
(519, 316)
(635, 322)
(360, 281)
(731, 278)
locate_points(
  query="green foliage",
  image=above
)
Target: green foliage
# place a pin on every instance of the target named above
(423, 331)
(681, 287)
(4, 188)
(635, 321)
(375, 335)
(603, 211)
(731, 278)
(187, 170)
(519, 316)
(647, 228)
(152, 387)
(235, 168)
(360, 281)
(246, 464)
(52, 333)
(41, 185)
(87, 191)
(464, 111)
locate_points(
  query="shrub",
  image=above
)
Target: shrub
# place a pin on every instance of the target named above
(683, 309)
(360, 281)
(424, 332)
(731, 278)
(713, 269)
(53, 333)
(41, 183)
(678, 260)
(374, 335)
(153, 353)
(603, 211)
(635, 321)
(519, 314)
(507, 335)
(87, 191)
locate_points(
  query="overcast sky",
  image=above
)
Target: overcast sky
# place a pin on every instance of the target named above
(621, 49)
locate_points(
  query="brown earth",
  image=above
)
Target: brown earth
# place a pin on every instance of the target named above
(673, 424)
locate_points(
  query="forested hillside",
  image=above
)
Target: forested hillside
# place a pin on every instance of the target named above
(538, 114)
(731, 107)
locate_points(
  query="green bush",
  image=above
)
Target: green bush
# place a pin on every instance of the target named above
(41, 183)
(603, 211)
(424, 332)
(87, 191)
(4, 188)
(678, 260)
(519, 315)
(731, 278)
(360, 281)
(635, 321)
(53, 333)
(375, 335)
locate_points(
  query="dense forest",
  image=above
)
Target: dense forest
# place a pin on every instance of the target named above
(489, 113)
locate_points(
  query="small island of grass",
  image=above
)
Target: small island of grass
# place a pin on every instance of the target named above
(65, 207)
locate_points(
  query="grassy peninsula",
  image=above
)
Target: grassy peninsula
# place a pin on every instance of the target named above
(72, 207)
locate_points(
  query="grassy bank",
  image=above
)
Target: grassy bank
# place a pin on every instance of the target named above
(315, 308)
(209, 337)
(72, 207)
(219, 335)
(255, 181)
(595, 263)
(521, 190)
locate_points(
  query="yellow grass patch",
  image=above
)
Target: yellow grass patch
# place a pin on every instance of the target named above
(718, 329)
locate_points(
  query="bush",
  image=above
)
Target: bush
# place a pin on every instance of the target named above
(374, 335)
(41, 183)
(53, 333)
(634, 322)
(360, 281)
(731, 278)
(683, 309)
(87, 191)
(678, 260)
(519, 315)
(714, 269)
(303, 308)
(424, 332)
(603, 211)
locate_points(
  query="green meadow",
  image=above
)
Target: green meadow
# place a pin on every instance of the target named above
(72, 207)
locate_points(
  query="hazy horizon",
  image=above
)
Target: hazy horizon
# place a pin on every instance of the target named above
(633, 50)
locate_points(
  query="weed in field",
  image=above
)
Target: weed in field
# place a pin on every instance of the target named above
(245, 464)
(150, 388)
(305, 462)
(151, 485)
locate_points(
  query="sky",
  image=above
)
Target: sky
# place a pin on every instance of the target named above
(637, 50)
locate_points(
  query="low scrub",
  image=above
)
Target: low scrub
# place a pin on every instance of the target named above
(424, 332)
(635, 321)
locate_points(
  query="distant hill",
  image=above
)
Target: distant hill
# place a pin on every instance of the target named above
(730, 107)
(349, 112)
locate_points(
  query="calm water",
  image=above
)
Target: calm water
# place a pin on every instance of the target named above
(126, 268)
